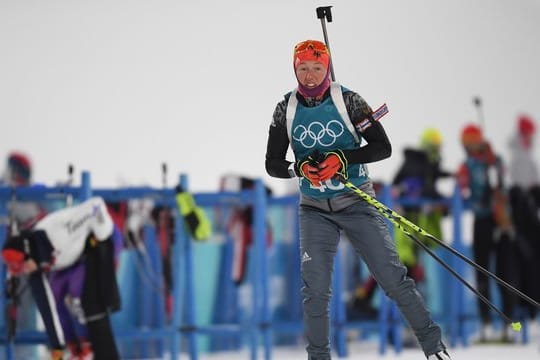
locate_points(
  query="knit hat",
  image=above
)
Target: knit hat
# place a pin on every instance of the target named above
(471, 135)
(431, 137)
(525, 125)
(20, 168)
(311, 50)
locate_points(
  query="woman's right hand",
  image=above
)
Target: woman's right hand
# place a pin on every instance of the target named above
(310, 172)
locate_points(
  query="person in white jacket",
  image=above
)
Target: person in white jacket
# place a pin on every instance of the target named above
(524, 197)
(523, 169)
(70, 253)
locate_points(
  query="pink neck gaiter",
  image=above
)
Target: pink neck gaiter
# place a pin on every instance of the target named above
(316, 91)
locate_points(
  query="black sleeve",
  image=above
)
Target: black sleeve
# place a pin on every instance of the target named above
(400, 175)
(415, 164)
(443, 173)
(378, 145)
(41, 249)
(278, 144)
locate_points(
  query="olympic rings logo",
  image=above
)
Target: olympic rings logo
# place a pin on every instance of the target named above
(317, 133)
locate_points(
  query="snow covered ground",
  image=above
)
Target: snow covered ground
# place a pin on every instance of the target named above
(368, 351)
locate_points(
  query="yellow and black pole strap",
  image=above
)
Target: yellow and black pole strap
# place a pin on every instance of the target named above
(399, 221)
(198, 224)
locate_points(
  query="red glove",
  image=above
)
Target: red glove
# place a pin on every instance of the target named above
(334, 163)
(14, 261)
(310, 172)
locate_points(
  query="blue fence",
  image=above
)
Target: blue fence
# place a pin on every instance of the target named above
(262, 312)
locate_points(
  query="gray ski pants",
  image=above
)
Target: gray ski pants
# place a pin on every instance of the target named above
(368, 232)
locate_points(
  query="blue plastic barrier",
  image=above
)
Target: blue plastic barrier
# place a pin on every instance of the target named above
(152, 327)
(259, 326)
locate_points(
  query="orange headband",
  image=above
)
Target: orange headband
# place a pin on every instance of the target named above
(311, 50)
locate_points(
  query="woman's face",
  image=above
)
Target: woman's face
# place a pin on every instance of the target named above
(311, 73)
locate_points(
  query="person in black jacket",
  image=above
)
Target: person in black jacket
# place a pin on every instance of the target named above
(417, 180)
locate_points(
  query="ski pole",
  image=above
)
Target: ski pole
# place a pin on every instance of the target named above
(515, 325)
(394, 216)
(395, 220)
(325, 14)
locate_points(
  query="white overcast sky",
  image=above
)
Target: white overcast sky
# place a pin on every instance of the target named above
(118, 87)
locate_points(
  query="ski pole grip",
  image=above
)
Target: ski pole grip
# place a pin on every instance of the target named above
(324, 12)
(341, 179)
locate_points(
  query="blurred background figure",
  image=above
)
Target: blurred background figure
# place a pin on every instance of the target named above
(69, 254)
(524, 192)
(523, 168)
(415, 179)
(481, 178)
(18, 172)
(21, 215)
